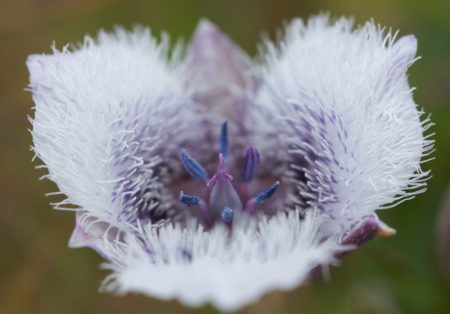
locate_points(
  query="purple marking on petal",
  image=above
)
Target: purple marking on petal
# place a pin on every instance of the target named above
(363, 233)
(186, 255)
(313, 155)
(251, 162)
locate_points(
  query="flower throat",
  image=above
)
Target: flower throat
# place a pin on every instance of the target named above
(226, 198)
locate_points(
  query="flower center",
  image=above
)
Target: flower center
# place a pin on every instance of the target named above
(226, 198)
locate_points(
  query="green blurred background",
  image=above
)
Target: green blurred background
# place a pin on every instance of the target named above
(40, 274)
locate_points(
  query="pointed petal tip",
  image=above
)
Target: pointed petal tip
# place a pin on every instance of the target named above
(80, 238)
(76, 239)
(205, 26)
(209, 36)
(211, 53)
(384, 230)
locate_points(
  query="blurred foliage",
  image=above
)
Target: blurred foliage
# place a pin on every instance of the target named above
(40, 274)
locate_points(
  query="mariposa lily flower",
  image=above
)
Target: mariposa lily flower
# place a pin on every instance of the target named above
(209, 177)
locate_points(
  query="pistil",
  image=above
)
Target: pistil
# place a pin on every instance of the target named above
(223, 193)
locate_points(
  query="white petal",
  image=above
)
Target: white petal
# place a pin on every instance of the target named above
(103, 119)
(219, 79)
(91, 232)
(218, 71)
(353, 131)
(228, 272)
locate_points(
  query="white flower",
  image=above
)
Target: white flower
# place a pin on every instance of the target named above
(324, 128)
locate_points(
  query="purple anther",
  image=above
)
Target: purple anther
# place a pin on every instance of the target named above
(251, 162)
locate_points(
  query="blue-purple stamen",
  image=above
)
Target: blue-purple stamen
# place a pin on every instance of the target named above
(188, 200)
(224, 139)
(193, 167)
(261, 197)
(227, 215)
(251, 162)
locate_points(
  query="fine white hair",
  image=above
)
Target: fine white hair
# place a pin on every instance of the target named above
(342, 100)
(330, 101)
